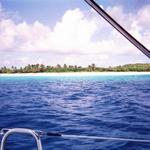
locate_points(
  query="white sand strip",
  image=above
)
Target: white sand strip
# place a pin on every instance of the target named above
(77, 74)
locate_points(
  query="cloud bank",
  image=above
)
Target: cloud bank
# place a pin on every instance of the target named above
(79, 38)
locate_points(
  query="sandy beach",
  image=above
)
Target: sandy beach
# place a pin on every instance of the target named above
(77, 74)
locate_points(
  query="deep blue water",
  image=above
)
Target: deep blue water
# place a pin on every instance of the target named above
(116, 106)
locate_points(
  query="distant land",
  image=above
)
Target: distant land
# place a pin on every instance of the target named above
(40, 68)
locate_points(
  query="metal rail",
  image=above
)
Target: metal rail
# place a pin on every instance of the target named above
(7, 132)
(37, 134)
(118, 27)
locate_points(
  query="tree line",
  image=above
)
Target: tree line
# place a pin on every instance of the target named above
(39, 68)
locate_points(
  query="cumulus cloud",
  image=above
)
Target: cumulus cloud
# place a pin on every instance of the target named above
(84, 39)
(72, 33)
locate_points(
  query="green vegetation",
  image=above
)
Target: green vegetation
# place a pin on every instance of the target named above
(37, 68)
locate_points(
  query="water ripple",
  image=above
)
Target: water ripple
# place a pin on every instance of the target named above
(105, 106)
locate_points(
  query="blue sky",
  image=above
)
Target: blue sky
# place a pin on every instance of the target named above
(69, 31)
(50, 11)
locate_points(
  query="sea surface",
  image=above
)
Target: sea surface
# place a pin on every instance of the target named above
(111, 106)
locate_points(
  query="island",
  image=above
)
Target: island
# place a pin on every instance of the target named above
(40, 68)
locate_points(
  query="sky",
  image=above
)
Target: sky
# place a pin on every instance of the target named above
(70, 32)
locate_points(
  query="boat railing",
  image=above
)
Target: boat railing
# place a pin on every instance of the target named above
(7, 132)
(38, 134)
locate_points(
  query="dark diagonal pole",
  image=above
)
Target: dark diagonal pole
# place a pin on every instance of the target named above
(118, 27)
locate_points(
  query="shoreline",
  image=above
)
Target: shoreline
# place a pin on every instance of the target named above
(75, 74)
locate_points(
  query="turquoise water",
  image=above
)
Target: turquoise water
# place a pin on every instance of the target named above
(117, 106)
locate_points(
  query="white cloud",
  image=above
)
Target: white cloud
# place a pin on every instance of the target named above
(34, 37)
(73, 32)
(77, 35)
(144, 16)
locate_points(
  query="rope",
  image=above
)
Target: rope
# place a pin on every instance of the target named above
(105, 138)
(96, 137)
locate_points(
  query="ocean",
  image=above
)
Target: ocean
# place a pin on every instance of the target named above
(111, 106)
